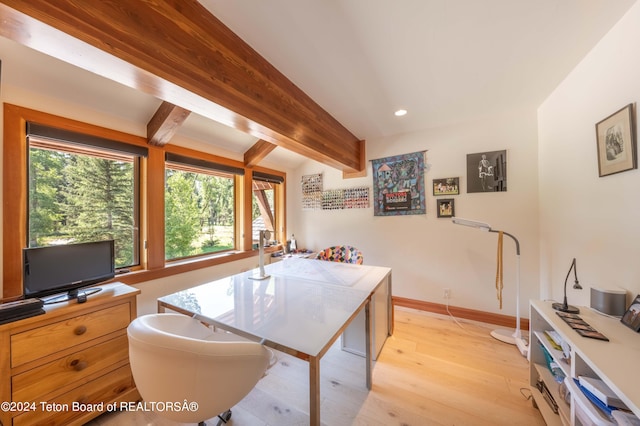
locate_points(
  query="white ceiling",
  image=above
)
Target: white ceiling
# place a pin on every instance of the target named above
(445, 61)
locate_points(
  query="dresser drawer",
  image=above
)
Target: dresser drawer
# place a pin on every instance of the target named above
(30, 386)
(61, 411)
(49, 339)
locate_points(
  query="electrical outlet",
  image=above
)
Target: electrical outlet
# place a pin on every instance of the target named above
(447, 293)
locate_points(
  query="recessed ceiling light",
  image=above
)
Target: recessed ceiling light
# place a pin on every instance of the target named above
(400, 112)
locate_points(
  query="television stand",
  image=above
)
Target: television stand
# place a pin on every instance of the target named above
(71, 364)
(70, 295)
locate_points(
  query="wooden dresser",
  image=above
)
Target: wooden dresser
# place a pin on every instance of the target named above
(70, 364)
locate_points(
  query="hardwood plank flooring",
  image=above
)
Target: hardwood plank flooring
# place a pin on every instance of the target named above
(434, 370)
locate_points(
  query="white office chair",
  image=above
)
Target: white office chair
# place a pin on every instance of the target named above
(175, 358)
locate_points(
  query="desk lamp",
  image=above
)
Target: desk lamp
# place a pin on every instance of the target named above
(514, 338)
(564, 306)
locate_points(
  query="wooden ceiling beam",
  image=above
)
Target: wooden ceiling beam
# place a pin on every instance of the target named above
(182, 54)
(165, 123)
(257, 152)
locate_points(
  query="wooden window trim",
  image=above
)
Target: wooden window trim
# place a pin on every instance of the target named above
(152, 169)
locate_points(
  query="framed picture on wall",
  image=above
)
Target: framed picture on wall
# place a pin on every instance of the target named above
(616, 142)
(446, 207)
(447, 186)
(487, 171)
(631, 318)
(398, 185)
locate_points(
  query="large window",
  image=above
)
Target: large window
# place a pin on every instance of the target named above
(199, 207)
(263, 214)
(81, 192)
(65, 181)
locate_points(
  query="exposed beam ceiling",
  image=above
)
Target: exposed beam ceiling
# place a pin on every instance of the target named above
(448, 63)
(165, 123)
(182, 54)
(257, 152)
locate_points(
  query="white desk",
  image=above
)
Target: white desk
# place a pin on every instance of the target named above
(301, 309)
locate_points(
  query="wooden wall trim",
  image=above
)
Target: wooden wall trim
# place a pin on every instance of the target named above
(14, 201)
(179, 52)
(470, 314)
(154, 207)
(14, 191)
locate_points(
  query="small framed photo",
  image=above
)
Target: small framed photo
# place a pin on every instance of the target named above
(616, 141)
(447, 186)
(631, 318)
(446, 207)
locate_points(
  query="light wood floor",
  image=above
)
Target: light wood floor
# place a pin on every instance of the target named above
(432, 371)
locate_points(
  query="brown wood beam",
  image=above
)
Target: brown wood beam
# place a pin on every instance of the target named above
(257, 152)
(182, 54)
(363, 161)
(165, 123)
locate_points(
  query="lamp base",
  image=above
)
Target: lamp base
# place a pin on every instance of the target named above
(506, 336)
(511, 337)
(568, 309)
(259, 277)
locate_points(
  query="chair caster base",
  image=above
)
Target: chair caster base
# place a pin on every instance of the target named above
(224, 417)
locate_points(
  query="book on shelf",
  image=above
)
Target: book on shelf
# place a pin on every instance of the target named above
(554, 339)
(600, 390)
(606, 409)
(624, 418)
(558, 343)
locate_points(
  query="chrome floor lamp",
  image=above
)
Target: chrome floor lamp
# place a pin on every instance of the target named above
(513, 338)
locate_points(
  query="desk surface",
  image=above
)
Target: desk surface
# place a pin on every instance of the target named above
(302, 306)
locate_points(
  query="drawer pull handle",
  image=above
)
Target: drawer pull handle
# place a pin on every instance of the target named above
(79, 365)
(80, 330)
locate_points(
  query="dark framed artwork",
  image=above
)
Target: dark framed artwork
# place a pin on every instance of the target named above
(487, 171)
(631, 318)
(399, 185)
(447, 186)
(446, 207)
(616, 142)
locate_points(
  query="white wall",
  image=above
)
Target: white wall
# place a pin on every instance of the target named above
(591, 218)
(426, 253)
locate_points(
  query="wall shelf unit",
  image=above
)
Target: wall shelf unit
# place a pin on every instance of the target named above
(615, 362)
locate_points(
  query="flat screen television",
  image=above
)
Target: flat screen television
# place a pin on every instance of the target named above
(66, 269)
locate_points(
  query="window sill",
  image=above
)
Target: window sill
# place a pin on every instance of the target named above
(186, 265)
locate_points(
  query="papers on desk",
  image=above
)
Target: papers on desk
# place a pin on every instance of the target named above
(341, 274)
